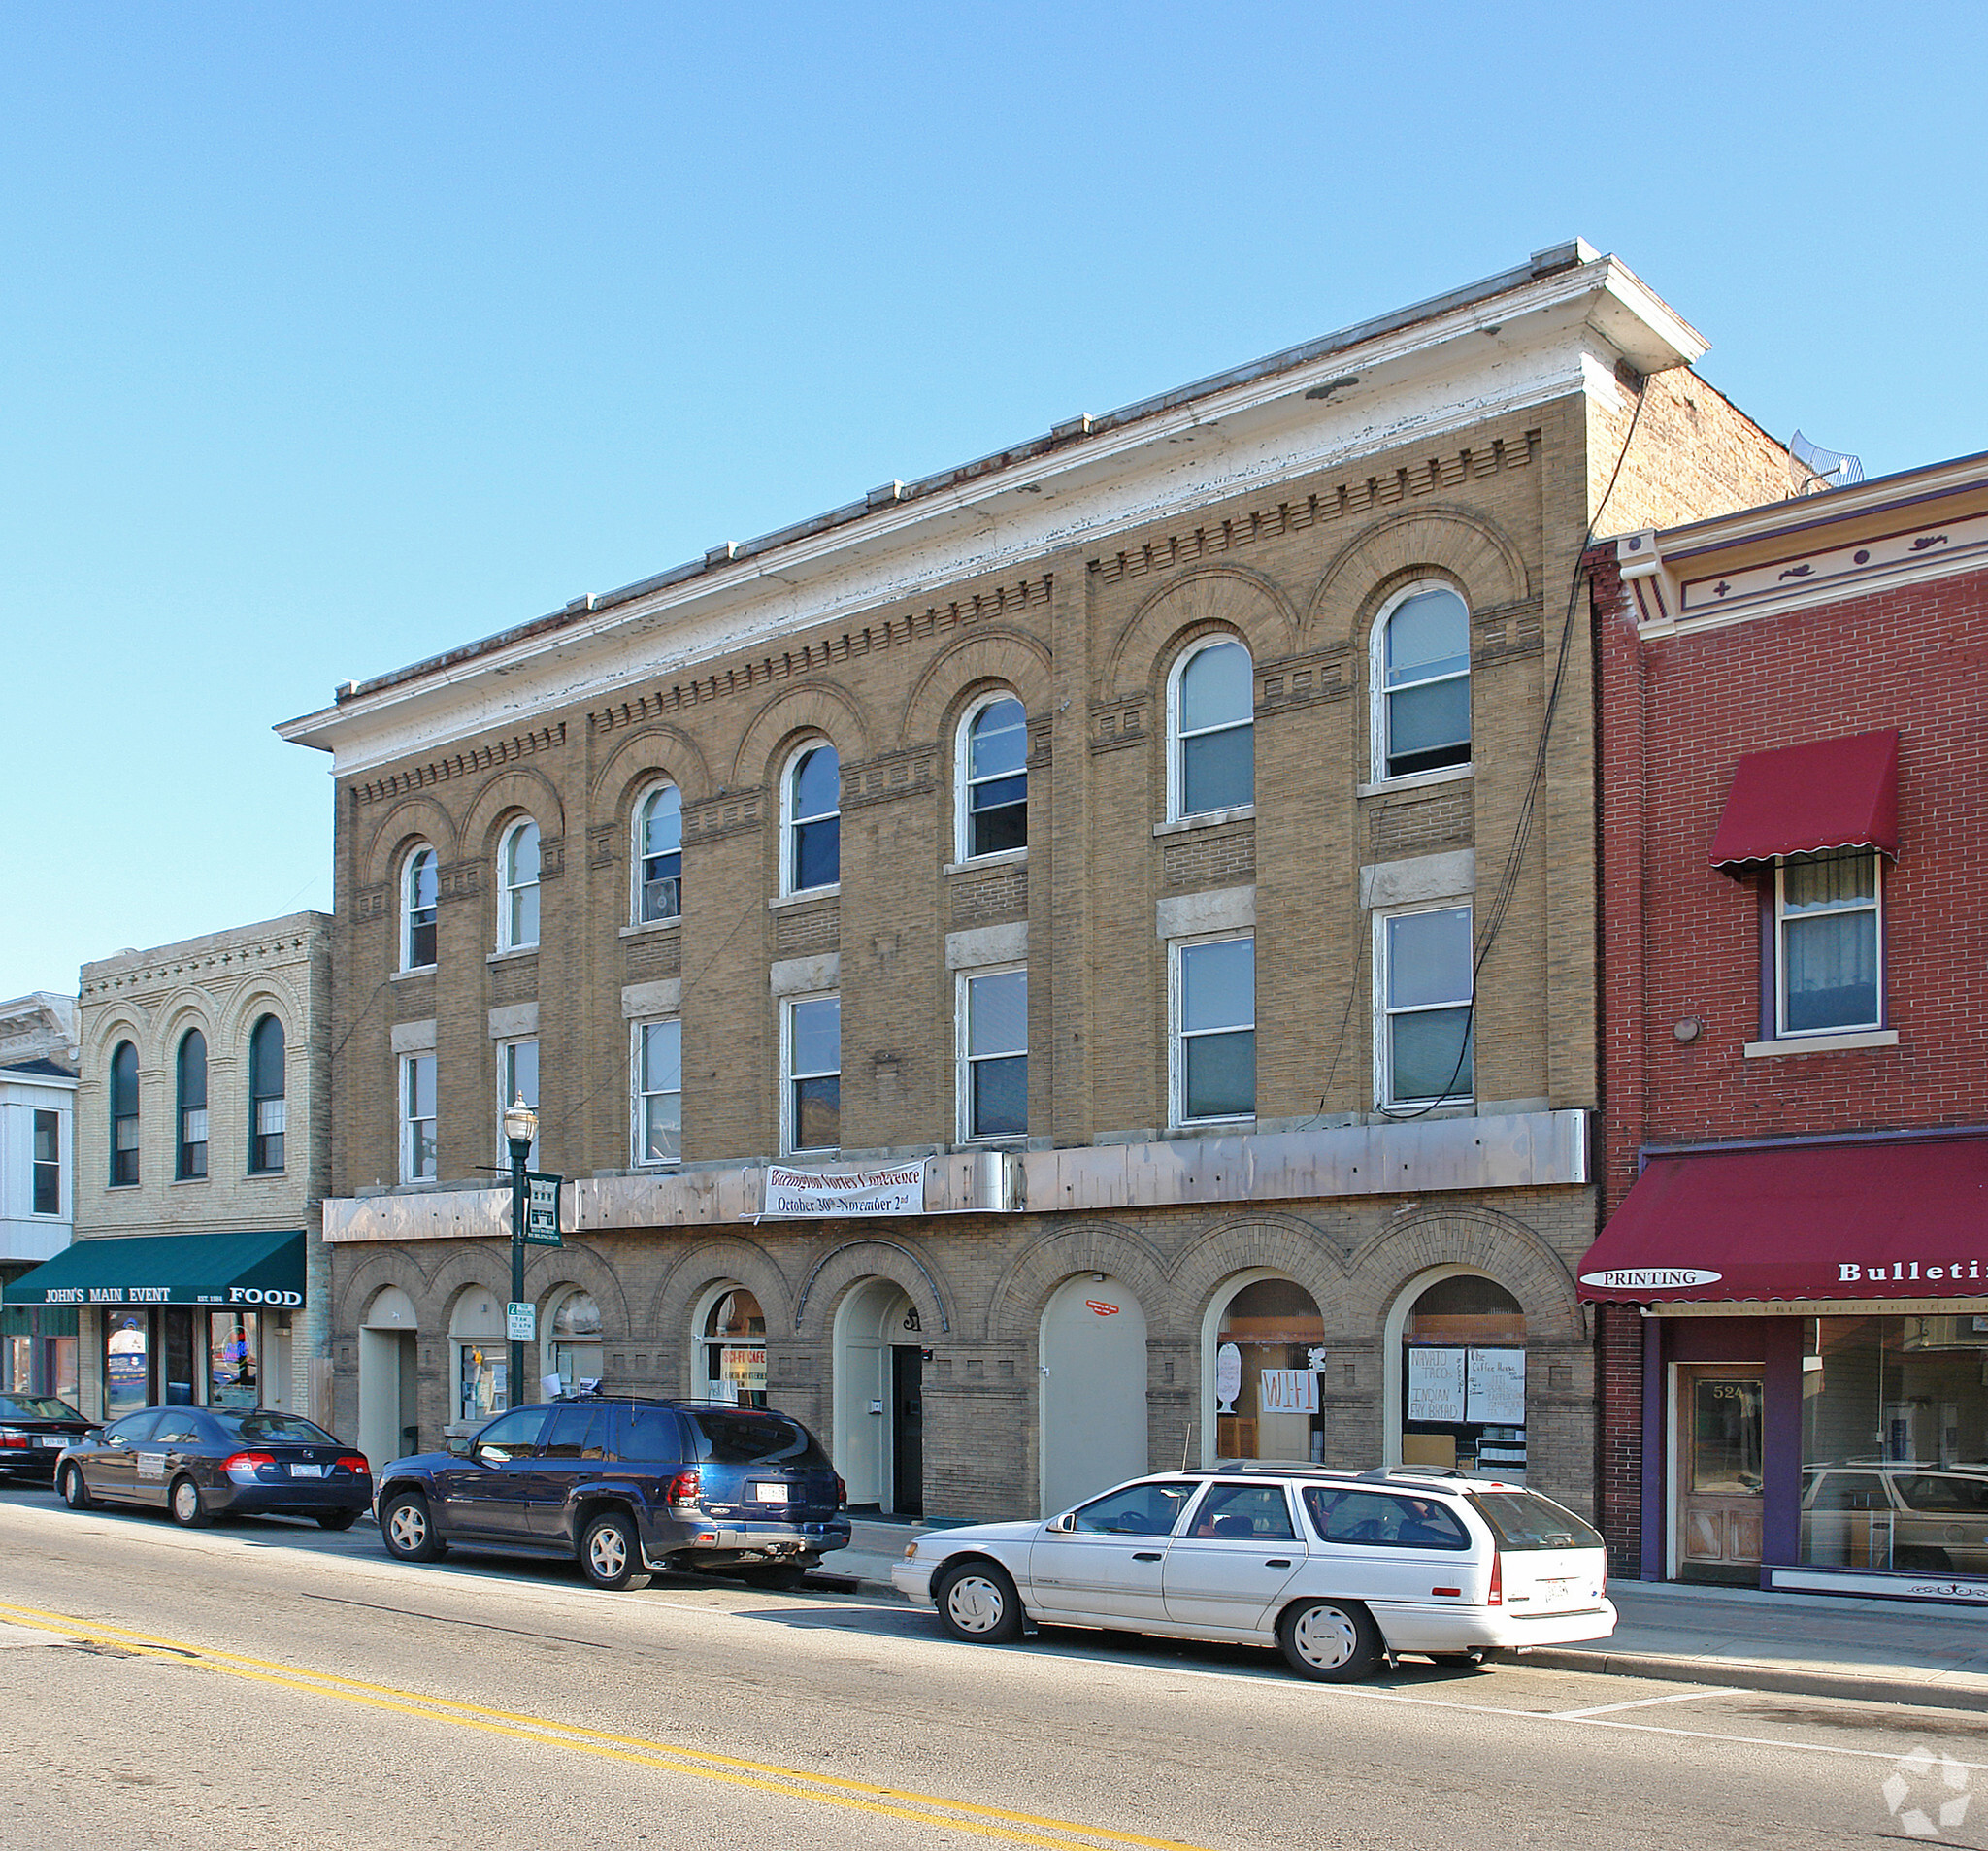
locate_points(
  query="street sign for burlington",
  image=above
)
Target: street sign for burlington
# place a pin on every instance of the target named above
(542, 1209)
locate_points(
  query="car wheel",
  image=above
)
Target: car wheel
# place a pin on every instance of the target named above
(778, 1576)
(611, 1551)
(1333, 1640)
(337, 1519)
(977, 1603)
(1457, 1660)
(408, 1530)
(183, 1505)
(75, 1493)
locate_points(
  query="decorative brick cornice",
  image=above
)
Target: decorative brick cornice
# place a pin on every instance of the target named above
(459, 880)
(1344, 499)
(603, 842)
(1508, 632)
(481, 758)
(1304, 680)
(822, 653)
(889, 775)
(1118, 724)
(716, 817)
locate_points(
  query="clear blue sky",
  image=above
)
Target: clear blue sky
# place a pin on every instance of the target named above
(331, 336)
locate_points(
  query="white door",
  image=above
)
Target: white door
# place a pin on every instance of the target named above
(1239, 1551)
(1094, 1414)
(1110, 1563)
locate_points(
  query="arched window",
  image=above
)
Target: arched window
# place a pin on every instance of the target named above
(123, 1115)
(659, 855)
(268, 1108)
(1212, 730)
(1463, 1380)
(479, 1344)
(420, 887)
(992, 778)
(811, 799)
(1268, 1337)
(1422, 682)
(573, 1341)
(518, 884)
(190, 1074)
(733, 1350)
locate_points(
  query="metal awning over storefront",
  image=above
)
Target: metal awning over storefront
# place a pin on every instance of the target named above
(1879, 1222)
(1809, 799)
(237, 1270)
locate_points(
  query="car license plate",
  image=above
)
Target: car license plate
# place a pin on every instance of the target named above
(771, 1494)
(52, 1440)
(307, 1471)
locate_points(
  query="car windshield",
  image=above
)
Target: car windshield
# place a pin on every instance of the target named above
(1942, 1490)
(36, 1408)
(259, 1423)
(749, 1438)
(1524, 1520)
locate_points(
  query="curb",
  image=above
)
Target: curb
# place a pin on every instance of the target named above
(1764, 1677)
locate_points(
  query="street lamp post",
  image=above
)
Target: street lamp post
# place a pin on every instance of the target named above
(520, 1127)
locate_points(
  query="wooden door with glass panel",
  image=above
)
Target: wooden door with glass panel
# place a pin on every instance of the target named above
(1718, 1457)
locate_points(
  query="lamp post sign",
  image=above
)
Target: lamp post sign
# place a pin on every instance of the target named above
(542, 1209)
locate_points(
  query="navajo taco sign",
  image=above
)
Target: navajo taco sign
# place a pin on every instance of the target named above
(802, 1194)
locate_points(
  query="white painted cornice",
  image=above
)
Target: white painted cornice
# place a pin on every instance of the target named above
(1501, 349)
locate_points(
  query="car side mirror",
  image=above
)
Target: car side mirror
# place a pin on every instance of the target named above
(1064, 1524)
(459, 1445)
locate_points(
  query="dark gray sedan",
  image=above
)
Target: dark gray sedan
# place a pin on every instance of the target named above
(34, 1430)
(196, 1463)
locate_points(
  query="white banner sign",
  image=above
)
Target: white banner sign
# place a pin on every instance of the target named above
(791, 1193)
(1498, 1387)
(1435, 1384)
(1287, 1391)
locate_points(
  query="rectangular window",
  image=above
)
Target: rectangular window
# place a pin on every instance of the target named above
(272, 1118)
(1423, 963)
(994, 1054)
(1214, 1069)
(517, 1078)
(658, 1092)
(1828, 946)
(47, 1163)
(815, 1074)
(417, 1119)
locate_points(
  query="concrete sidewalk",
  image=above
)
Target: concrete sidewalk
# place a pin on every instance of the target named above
(1809, 1645)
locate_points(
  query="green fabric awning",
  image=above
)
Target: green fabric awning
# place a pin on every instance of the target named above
(239, 1270)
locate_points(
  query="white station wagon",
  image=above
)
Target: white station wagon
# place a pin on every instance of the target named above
(1336, 1570)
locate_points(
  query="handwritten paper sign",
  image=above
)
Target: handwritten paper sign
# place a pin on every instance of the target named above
(1435, 1384)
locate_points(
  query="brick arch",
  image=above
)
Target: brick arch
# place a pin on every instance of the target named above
(713, 1262)
(1011, 658)
(652, 754)
(1500, 1246)
(1279, 1243)
(578, 1264)
(835, 1274)
(189, 1007)
(1483, 560)
(412, 819)
(523, 788)
(820, 707)
(1196, 602)
(478, 1266)
(126, 1022)
(394, 1265)
(1015, 1312)
(266, 995)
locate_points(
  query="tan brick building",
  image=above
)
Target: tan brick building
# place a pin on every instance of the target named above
(199, 1271)
(1137, 847)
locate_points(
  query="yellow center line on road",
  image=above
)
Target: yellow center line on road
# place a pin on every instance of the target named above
(828, 1790)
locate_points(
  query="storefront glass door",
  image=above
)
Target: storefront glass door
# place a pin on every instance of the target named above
(1719, 1473)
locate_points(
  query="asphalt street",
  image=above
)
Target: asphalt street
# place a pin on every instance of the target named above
(265, 1683)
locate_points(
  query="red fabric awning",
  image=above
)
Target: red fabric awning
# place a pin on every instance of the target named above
(1905, 1220)
(1832, 793)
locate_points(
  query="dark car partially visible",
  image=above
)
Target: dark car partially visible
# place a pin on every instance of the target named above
(197, 1463)
(34, 1430)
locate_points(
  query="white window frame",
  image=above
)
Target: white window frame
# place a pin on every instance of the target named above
(1383, 1017)
(788, 1128)
(506, 1058)
(638, 1116)
(406, 1121)
(789, 774)
(506, 889)
(963, 1062)
(408, 907)
(1379, 690)
(962, 778)
(1178, 1035)
(36, 1165)
(1177, 770)
(1874, 906)
(638, 828)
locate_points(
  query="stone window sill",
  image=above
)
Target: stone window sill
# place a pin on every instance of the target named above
(1005, 858)
(1415, 780)
(514, 951)
(1822, 1044)
(781, 900)
(1207, 819)
(415, 970)
(648, 926)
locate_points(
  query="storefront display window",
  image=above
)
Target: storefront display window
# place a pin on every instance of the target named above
(734, 1346)
(127, 1365)
(1268, 1352)
(1464, 1379)
(482, 1356)
(1895, 1443)
(573, 1353)
(234, 1352)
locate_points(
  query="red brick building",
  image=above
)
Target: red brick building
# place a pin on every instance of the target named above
(1791, 1288)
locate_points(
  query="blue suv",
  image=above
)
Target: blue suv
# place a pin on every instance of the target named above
(624, 1486)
